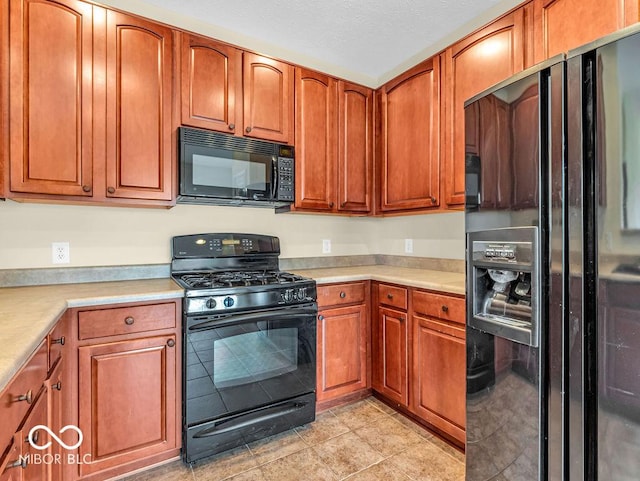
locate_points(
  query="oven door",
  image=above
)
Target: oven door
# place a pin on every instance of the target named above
(244, 361)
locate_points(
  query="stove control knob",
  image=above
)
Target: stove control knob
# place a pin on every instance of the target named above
(211, 303)
(229, 302)
(302, 293)
(288, 295)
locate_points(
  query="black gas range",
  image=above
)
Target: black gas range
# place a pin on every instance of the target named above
(249, 338)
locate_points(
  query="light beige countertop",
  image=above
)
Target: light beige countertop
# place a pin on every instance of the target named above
(27, 314)
(450, 282)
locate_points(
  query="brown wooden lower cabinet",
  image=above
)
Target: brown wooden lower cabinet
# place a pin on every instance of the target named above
(342, 358)
(419, 355)
(390, 374)
(126, 391)
(438, 380)
(127, 382)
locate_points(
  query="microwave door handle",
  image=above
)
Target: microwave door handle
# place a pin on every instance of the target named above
(274, 177)
(239, 319)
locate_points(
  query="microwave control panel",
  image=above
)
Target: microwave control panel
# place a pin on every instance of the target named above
(286, 176)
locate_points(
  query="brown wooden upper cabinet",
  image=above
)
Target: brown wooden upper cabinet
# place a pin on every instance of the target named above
(90, 113)
(472, 65)
(139, 74)
(410, 143)
(333, 141)
(51, 97)
(561, 25)
(211, 84)
(268, 98)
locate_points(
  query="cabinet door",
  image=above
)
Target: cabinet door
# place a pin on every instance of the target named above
(127, 405)
(438, 376)
(525, 148)
(342, 351)
(355, 147)
(211, 84)
(51, 97)
(410, 170)
(37, 468)
(58, 393)
(268, 98)
(472, 65)
(316, 140)
(561, 25)
(139, 100)
(10, 467)
(390, 355)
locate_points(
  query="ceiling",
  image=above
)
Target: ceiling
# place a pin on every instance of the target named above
(364, 41)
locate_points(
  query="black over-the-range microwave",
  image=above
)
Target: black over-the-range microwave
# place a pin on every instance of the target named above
(222, 169)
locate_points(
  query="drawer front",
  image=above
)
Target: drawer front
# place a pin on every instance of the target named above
(341, 294)
(392, 296)
(440, 306)
(125, 320)
(21, 393)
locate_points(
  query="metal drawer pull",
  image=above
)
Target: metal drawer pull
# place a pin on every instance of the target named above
(26, 397)
(343, 295)
(389, 296)
(171, 343)
(60, 341)
(57, 386)
(23, 462)
(129, 320)
(232, 126)
(445, 308)
(248, 129)
(321, 317)
(34, 438)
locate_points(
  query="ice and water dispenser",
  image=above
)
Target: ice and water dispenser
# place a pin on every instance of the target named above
(502, 273)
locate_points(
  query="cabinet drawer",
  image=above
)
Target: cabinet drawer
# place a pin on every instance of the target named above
(341, 294)
(392, 296)
(125, 320)
(22, 392)
(439, 306)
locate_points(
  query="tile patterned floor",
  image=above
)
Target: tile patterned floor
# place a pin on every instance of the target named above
(363, 441)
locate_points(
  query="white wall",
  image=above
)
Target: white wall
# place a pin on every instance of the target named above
(103, 236)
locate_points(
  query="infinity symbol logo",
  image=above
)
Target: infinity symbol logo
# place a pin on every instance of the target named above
(53, 435)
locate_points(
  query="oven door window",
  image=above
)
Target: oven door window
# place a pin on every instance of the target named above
(225, 173)
(247, 365)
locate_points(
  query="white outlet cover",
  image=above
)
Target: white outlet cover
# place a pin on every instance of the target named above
(326, 246)
(60, 253)
(408, 246)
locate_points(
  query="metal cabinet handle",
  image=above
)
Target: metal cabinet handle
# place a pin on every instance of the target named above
(129, 320)
(86, 188)
(111, 190)
(343, 295)
(60, 340)
(445, 308)
(57, 386)
(389, 296)
(247, 130)
(34, 438)
(232, 126)
(321, 317)
(23, 462)
(433, 200)
(171, 343)
(331, 204)
(26, 397)
(401, 319)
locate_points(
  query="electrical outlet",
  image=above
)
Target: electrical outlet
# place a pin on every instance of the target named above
(60, 253)
(326, 246)
(408, 246)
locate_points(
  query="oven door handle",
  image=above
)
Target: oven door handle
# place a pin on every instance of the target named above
(243, 420)
(241, 318)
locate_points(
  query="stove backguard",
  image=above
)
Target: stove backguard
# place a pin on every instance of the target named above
(503, 282)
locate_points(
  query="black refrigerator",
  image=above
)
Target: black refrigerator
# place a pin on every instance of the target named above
(553, 269)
